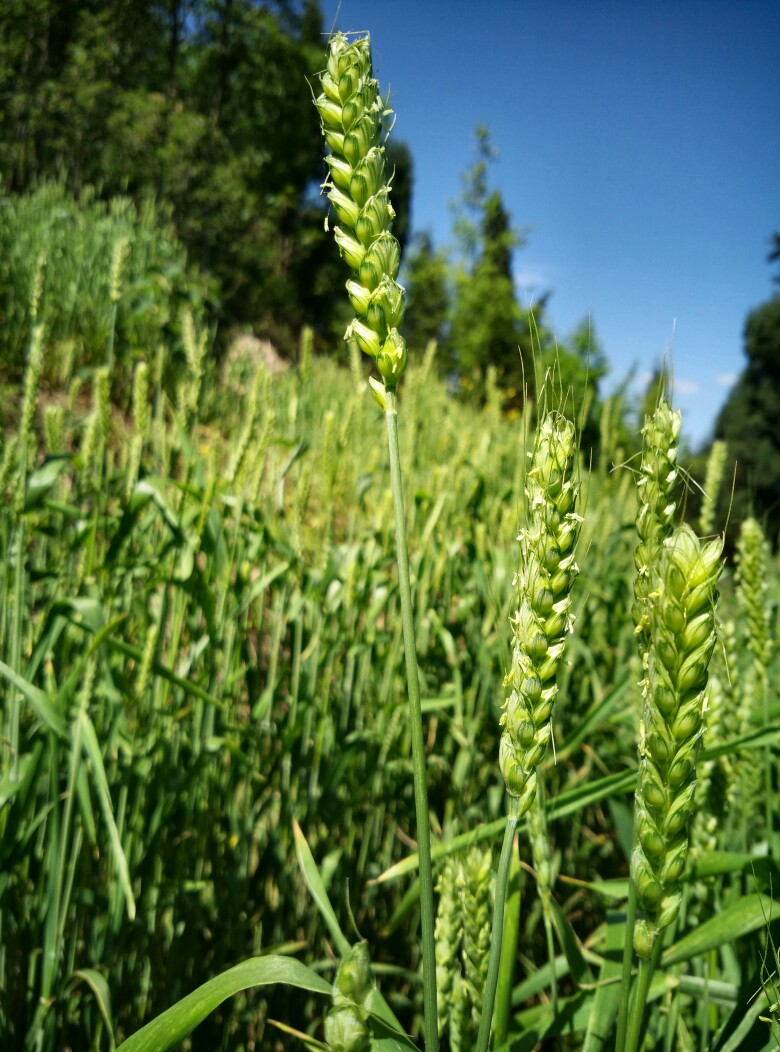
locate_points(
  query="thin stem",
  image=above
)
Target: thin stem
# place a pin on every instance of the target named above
(553, 977)
(506, 971)
(625, 980)
(541, 844)
(498, 917)
(639, 1000)
(768, 794)
(430, 1021)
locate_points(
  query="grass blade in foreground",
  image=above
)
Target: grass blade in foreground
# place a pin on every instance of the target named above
(170, 1028)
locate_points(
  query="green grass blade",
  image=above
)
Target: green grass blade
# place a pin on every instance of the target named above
(92, 749)
(571, 946)
(595, 717)
(738, 1037)
(746, 915)
(174, 1025)
(99, 987)
(317, 888)
(568, 802)
(37, 698)
(605, 1005)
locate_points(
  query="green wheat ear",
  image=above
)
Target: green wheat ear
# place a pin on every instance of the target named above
(462, 943)
(753, 562)
(716, 465)
(681, 628)
(346, 1028)
(544, 580)
(656, 485)
(351, 111)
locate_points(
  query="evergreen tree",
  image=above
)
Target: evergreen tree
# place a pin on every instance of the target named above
(748, 422)
(400, 164)
(426, 278)
(660, 385)
(488, 325)
(201, 103)
(573, 372)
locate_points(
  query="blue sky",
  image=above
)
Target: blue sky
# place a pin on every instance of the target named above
(638, 144)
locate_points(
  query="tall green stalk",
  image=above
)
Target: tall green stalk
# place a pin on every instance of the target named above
(680, 620)
(638, 1002)
(539, 625)
(351, 110)
(26, 456)
(502, 879)
(625, 977)
(418, 746)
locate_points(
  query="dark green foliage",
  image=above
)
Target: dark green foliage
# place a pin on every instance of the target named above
(401, 168)
(748, 421)
(204, 105)
(574, 371)
(63, 68)
(426, 279)
(488, 326)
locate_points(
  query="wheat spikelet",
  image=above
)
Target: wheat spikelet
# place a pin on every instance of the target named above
(680, 616)
(716, 463)
(95, 433)
(462, 943)
(54, 428)
(141, 421)
(307, 353)
(656, 484)
(195, 344)
(543, 616)
(32, 382)
(36, 292)
(346, 1029)
(351, 111)
(752, 594)
(119, 256)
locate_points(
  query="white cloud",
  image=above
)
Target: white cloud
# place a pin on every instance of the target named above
(529, 277)
(726, 379)
(533, 279)
(686, 387)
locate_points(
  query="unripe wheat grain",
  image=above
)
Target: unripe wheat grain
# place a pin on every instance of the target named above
(351, 111)
(716, 463)
(462, 943)
(544, 580)
(681, 625)
(656, 484)
(345, 1023)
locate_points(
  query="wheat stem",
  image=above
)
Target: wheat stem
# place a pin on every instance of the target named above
(625, 978)
(494, 962)
(430, 1022)
(638, 1002)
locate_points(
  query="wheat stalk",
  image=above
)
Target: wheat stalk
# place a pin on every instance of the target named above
(352, 111)
(682, 622)
(713, 477)
(543, 616)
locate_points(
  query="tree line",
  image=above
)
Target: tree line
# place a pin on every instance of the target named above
(203, 106)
